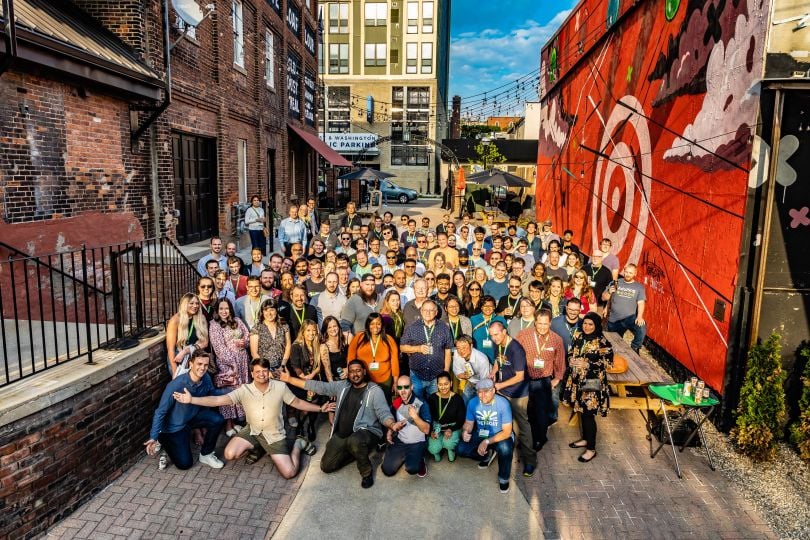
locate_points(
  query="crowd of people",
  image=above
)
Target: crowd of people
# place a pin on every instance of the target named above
(411, 340)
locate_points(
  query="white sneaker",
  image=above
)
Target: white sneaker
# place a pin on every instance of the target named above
(293, 421)
(211, 460)
(163, 461)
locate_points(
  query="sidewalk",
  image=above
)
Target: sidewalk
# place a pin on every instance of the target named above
(622, 493)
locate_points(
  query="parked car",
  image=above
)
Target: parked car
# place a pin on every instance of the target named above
(391, 191)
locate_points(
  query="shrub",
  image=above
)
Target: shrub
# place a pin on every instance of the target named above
(762, 411)
(800, 430)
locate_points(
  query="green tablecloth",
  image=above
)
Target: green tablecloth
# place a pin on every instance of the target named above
(669, 392)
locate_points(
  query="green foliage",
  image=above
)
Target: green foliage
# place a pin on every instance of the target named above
(800, 430)
(488, 155)
(762, 410)
(472, 131)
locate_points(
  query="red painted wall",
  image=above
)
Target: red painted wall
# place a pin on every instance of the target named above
(648, 110)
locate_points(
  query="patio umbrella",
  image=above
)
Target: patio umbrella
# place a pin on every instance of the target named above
(365, 173)
(494, 177)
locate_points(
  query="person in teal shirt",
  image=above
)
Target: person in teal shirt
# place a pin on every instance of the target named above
(480, 325)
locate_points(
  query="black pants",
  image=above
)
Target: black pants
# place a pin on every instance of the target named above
(258, 241)
(342, 451)
(588, 420)
(539, 408)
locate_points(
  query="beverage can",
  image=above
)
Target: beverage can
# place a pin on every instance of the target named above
(687, 388)
(694, 381)
(430, 349)
(706, 393)
(698, 397)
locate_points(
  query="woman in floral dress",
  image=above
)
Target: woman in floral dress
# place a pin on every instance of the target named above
(229, 338)
(585, 388)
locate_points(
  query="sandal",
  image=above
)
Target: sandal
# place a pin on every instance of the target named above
(306, 447)
(254, 455)
(576, 444)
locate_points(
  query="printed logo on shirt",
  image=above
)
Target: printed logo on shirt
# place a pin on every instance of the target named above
(487, 418)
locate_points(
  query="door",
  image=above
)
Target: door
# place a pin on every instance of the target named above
(195, 187)
(271, 191)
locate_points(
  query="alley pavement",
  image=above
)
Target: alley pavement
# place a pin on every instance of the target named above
(622, 493)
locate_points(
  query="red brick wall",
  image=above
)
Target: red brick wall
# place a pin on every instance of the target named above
(53, 461)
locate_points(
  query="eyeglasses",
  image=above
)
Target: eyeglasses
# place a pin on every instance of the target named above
(206, 286)
(345, 238)
(430, 279)
(403, 387)
(474, 289)
(410, 266)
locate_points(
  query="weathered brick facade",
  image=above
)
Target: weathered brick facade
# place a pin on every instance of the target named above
(66, 148)
(53, 461)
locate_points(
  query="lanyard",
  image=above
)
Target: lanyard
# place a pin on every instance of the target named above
(235, 285)
(442, 409)
(397, 323)
(428, 335)
(510, 304)
(374, 347)
(255, 310)
(537, 343)
(501, 349)
(455, 328)
(301, 318)
(190, 331)
(572, 328)
(528, 323)
(207, 308)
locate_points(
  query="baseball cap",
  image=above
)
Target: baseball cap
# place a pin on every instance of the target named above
(463, 252)
(485, 384)
(367, 277)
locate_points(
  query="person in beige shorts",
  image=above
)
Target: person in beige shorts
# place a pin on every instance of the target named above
(262, 402)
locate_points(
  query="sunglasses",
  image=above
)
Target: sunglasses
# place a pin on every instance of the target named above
(345, 238)
(403, 387)
(410, 266)
(476, 289)
(391, 258)
(206, 286)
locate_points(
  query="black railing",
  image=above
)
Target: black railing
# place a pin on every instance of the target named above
(67, 305)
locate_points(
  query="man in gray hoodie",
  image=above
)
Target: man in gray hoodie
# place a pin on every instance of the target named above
(360, 415)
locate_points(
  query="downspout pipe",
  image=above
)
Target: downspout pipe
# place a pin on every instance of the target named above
(167, 95)
(9, 36)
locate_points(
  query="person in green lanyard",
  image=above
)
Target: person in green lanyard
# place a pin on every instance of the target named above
(186, 332)
(247, 307)
(447, 411)
(480, 327)
(459, 324)
(524, 317)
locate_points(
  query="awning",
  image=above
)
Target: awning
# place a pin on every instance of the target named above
(321, 147)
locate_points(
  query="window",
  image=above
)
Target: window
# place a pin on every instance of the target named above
(339, 18)
(376, 13)
(427, 17)
(395, 56)
(269, 60)
(241, 165)
(427, 57)
(375, 54)
(238, 34)
(338, 58)
(413, 17)
(410, 117)
(411, 59)
(339, 109)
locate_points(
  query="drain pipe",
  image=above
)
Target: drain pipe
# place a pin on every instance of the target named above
(9, 36)
(167, 99)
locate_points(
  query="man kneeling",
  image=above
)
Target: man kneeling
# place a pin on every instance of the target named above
(413, 423)
(262, 401)
(487, 433)
(359, 416)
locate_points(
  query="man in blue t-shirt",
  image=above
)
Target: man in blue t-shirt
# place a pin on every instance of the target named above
(173, 421)
(487, 432)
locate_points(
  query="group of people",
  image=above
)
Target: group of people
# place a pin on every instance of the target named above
(414, 341)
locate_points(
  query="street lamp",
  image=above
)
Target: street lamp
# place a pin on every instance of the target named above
(485, 142)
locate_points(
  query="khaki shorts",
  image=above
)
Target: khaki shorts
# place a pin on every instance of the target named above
(278, 447)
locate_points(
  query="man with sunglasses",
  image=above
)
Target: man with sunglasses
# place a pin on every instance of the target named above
(393, 245)
(412, 425)
(390, 262)
(508, 305)
(361, 411)
(345, 245)
(412, 254)
(487, 432)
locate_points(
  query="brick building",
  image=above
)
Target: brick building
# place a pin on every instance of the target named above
(89, 73)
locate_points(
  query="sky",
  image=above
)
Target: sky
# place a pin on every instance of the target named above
(492, 43)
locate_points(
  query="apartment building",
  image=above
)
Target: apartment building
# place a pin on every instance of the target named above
(384, 67)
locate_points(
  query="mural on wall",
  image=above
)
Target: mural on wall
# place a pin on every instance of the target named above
(658, 156)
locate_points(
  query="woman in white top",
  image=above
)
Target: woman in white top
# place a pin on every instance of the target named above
(256, 222)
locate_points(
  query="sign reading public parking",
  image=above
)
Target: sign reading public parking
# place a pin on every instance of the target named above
(351, 142)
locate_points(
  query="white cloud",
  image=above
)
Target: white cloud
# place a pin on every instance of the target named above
(491, 57)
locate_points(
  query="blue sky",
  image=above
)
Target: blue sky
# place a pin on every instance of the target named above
(492, 43)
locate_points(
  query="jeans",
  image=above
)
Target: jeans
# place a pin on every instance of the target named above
(539, 407)
(555, 403)
(178, 444)
(469, 392)
(257, 240)
(356, 447)
(435, 446)
(520, 421)
(629, 323)
(422, 388)
(505, 450)
(588, 420)
(398, 453)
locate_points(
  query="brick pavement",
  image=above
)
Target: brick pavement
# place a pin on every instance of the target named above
(238, 501)
(623, 493)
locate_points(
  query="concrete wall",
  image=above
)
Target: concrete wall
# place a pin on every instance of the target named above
(69, 435)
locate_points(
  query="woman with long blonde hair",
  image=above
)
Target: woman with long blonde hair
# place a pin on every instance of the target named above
(305, 363)
(186, 331)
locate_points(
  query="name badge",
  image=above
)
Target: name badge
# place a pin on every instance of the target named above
(483, 433)
(539, 363)
(591, 283)
(374, 366)
(486, 343)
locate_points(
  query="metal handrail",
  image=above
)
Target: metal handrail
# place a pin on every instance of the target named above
(24, 257)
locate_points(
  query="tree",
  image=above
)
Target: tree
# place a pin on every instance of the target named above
(762, 410)
(488, 155)
(473, 131)
(800, 430)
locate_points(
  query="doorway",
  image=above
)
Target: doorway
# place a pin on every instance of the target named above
(195, 187)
